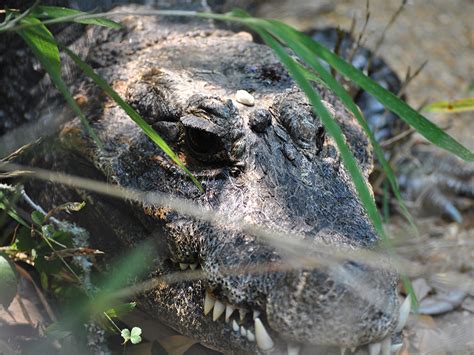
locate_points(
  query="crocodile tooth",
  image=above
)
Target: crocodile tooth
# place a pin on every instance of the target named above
(229, 309)
(243, 331)
(219, 308)
(396, 347)
(235, 326)
(374, 349)
(264, 341)
(242, 313)
(209, 302)
(183, 266)
(343, 351)
(386, 345)
(403, 314)
(293, 349)
(256, 314)
(250, 335)
(193, 266)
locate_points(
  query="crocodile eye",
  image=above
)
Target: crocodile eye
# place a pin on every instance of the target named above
(203, 138)
(203, 143)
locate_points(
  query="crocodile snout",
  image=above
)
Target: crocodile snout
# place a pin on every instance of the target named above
(344, 305)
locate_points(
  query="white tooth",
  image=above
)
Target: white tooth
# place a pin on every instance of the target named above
(386, 345)
(293, 349)
(343, 351)
(193, 266)
(242, 313)
(219, 308)
(250, 335)
(228, 311)
(264, 341)
(235, 326)
(256, 314)
(183, 266)
(354, 349)
(209, 302)
(403, 314)
(396, 347)
(374, 349)
(243, 331)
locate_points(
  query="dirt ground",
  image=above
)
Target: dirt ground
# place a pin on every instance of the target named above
(441, 32)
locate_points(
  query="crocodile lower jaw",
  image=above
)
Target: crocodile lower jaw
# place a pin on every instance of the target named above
(255, 331)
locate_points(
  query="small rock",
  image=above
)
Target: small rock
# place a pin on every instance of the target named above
(244, 98)
(421, 288)
(442, 302)
(468, 304)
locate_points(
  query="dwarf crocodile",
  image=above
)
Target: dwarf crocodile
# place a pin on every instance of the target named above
(269, 163)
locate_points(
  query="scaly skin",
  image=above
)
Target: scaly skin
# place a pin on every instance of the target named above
(433, 179)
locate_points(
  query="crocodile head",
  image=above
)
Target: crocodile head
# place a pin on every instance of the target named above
(269, 165)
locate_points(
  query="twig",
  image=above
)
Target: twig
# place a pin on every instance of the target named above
(10, 24)
(389, 24)
(357, 45)
(41, 297)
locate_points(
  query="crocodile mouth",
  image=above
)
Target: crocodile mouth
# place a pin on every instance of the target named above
(251, 328)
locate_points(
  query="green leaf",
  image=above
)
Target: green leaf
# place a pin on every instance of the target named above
(146, 128)
(264, 28)
(44, 280)
(57, 331)
(42, 43)
(24, 241)
(37, 217)
(125, 333)
(120, 310)
(58, 12)
(460, 105)
(330, 125)
(135, 337)
(8, 281)
(45, 48)
(470, 87)
(421, 124)
(293, 40)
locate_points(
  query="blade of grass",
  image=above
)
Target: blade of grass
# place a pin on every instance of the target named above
(330, 124)
(461, 105)
(44, 47)
(335, 131)
(308, 57)
(429, 130)
(147, 129)
(54, 12)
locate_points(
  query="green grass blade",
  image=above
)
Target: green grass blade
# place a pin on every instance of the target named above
(331, 127)
(43, 45)
(75, 15)
(290, 38)
(45, 48)
(147, 129)
(301, 78)
(421, 124)
(461, 105)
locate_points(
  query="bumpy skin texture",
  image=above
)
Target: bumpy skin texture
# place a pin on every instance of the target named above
(438, 182)
(271, 165)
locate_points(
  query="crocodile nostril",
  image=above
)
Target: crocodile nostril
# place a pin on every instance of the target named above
(259, 120)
